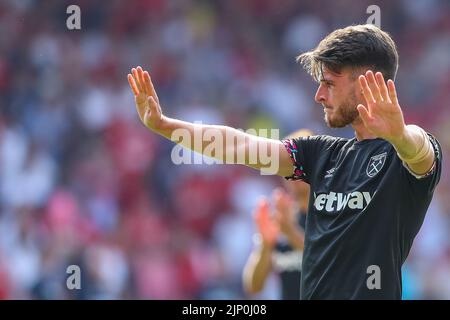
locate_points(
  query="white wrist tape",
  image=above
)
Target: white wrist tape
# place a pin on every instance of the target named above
(424, 151)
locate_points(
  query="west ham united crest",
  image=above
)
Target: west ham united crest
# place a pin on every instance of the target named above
(375, 165)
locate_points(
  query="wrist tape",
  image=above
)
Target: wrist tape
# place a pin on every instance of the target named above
(425, 149)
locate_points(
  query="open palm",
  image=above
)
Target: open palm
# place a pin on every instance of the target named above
(382, 115)
(267, 226)
(146, 99)
(284, 211)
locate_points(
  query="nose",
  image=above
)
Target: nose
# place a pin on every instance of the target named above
(320, 96)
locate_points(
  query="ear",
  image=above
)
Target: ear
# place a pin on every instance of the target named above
(358, 92)
(358, 71)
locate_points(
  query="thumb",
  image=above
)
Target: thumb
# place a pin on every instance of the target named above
(363, 113)
(153, 110)
(261, 212)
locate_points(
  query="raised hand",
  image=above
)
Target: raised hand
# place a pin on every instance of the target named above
(284, 211)
(267, 227)
(147, 102)
(382, 115)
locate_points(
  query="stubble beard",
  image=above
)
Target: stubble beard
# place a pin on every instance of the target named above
(345, 114)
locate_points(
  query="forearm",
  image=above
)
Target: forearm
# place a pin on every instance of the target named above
(226, 144)
(257, 269)
(296, 237)
(222, 143)
(415, 149)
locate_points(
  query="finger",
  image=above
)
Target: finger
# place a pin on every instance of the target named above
(141, 79)
(262, 218)
(364, 114)
(382, 85)
(366, 90)
(373, 86)
(136, 79)
(151, 111)
(283, 205)
(289, 200)
(392, 91)
(278, 199)
(276, 194)
(133, 84)
(262, 209)
(281, 201)
(149, 86)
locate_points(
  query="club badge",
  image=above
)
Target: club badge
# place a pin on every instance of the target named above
(375, 165)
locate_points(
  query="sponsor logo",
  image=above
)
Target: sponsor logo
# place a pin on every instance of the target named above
(337, 201)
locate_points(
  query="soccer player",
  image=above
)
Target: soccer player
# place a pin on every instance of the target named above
(278, 245)
(369, 194)
(279, 241)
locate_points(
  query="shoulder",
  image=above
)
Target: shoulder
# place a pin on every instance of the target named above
(314, 145)
(320, 139)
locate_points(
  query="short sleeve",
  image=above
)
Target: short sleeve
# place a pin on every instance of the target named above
(419, 190)
(305, 153)
(298, 171)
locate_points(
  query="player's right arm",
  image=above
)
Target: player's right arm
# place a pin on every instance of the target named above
(241, 143)
(259, 263)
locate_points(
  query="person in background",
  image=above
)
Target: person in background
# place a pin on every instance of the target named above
(279, 240)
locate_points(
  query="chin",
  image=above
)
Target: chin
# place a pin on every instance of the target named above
(333, 123)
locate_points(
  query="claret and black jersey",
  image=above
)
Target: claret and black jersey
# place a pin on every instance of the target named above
(365, 210)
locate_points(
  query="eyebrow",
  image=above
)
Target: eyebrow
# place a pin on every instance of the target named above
(328, 81)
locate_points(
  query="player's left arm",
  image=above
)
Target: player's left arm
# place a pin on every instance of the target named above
(259, 264)
(287, 219)
(383, 117)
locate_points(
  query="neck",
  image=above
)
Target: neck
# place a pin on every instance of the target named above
(361, 131)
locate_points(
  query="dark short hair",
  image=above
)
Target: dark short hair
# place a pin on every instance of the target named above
(357, 46)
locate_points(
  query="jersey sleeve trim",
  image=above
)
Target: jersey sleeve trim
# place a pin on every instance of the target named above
(420, 176)
(298, 170)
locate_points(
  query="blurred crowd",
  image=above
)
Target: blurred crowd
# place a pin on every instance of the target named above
(83, 182)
